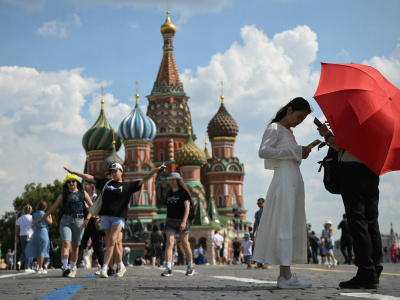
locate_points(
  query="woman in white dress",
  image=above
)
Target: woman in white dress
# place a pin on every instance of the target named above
(282, 236)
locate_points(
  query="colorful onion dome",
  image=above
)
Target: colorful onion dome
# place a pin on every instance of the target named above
(190, 154)
(100, 136)
(168, 26)
(137, 126)
(222, 124)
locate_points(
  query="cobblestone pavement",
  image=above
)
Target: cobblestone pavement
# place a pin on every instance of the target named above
(208, 282)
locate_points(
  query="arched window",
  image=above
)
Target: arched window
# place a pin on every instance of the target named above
(161, 156)
(162, 129)
(233, 201)
(203, 242)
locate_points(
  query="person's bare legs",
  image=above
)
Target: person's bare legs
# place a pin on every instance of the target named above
(184, 237)
(284, 271)
(170, 243)
(112, 236)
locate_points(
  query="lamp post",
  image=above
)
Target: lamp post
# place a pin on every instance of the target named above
(15, 239)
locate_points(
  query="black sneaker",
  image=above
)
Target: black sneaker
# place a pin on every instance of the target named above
(356, 283)
(189, 271)
(65, 271)
(110, 272)
(167, 272)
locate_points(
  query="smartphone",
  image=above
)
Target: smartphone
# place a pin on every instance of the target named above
(313, 144)
(162, 169)
(318, 123)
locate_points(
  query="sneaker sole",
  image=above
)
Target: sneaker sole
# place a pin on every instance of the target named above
(166, 275)
(294, 287)
(66, 273)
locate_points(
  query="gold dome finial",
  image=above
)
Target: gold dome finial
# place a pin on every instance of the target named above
(222, 93)
(113, 142)
(190, 130)
(137, 94)
(102, 101)
(168, 26)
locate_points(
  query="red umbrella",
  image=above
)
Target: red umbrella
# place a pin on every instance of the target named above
(363, 110)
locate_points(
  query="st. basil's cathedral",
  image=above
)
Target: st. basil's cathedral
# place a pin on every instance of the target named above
(164, 135)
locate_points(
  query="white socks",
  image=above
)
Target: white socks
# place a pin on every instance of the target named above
(105, 267)
(73, 264)
(190, 264)
(120, 264)
(64, 262)
(169, 265)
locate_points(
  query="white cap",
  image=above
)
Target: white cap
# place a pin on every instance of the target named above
(116, 166)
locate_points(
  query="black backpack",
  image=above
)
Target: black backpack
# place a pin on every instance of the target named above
(331, 171)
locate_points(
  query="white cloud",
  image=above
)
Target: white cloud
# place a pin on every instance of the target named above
(388, 66)
(113, 109)
(41, 117)
(59, 28)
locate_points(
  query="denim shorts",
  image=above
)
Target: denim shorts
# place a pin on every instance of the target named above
(174, 225)
(107, 221)
(247, 258)
(71, 230)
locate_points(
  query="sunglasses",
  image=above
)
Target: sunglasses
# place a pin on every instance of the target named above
(71, 181)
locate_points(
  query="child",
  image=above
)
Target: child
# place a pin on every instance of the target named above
(282, 237)
(10, 259)
(246, 249)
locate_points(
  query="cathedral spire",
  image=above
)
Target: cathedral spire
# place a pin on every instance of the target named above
(168, 77)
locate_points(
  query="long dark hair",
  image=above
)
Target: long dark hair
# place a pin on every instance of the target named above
(296, 104)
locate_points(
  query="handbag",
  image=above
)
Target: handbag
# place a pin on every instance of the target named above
(98, 202)
(331, 166)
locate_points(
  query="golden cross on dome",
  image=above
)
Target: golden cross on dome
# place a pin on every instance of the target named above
(102, 101)
(137, 94)
(168, 5)
(222, 93)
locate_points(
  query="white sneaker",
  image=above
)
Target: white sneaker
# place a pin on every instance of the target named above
(18, 266)
(103, 273)
(41, 271)
(72, 274)
(97, 271)
(121, 271)
(292, 283)
(29, 271)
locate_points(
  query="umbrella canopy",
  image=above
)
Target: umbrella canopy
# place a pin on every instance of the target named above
(363, 110)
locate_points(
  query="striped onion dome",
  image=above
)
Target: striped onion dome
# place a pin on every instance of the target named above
(113, 158)
(100, 136)
(190, 154)
(137, 126)
(222, 124)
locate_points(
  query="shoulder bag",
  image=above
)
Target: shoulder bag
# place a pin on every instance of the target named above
(98, 202)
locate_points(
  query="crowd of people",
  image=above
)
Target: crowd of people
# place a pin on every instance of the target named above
(278, 236)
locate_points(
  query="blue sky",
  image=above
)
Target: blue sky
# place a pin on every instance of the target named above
(55, 55)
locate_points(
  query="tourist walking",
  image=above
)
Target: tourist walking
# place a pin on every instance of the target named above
(346, 242)
(236, 250)
(246, 248)
(23, 232)
(315, 244)
(218, 241)
(257, 219)
(73, 200)
(282, 236)
(38, 246)
(91, 230)
(156, 241)
(114, 210)
(178, 206)
(201, 259)
(10, 259)
(328, 242)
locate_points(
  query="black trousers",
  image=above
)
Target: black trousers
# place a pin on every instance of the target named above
(97, 242)
(359, 187)
(346, 243)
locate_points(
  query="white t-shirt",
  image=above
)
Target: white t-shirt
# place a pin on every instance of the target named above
(218, 239)
(25, 225)
(246, 245)
(196, 253)
(127, 250)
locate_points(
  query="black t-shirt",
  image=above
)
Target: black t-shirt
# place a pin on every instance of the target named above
(314, 242)
(116, 197)
(236, 245)
(176, 203)
(345, 228)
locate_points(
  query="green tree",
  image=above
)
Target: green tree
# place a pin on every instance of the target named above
(32, 194)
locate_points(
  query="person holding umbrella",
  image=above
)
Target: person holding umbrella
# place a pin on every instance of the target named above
(359, 187)
(362, 109)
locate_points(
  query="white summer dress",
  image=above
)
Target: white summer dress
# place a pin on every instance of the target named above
(282, 235)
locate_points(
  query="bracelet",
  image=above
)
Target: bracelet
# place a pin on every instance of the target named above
(326, 137)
